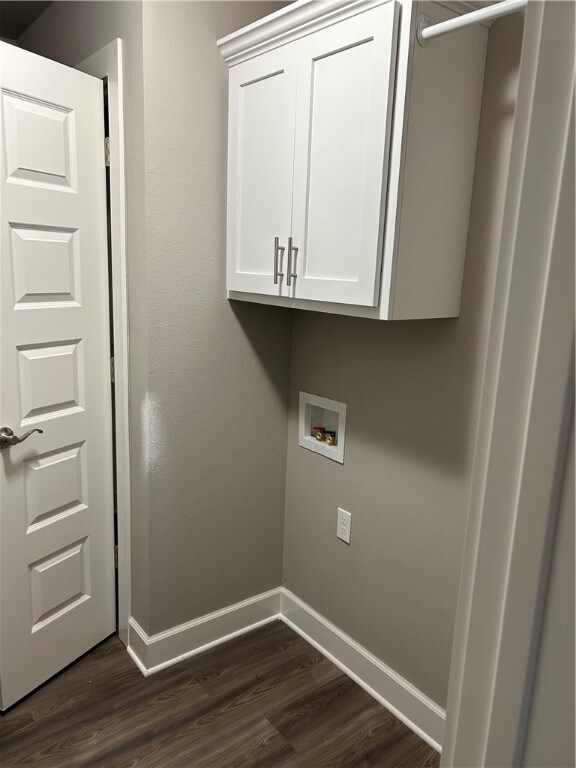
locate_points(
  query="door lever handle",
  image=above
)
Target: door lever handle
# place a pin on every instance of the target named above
(8, 438)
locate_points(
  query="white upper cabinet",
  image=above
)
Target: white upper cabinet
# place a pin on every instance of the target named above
(345, 87)
(351, 158)
(260, 163)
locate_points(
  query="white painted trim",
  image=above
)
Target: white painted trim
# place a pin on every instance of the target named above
(526, 404)
(136, 659)
(290, 23)
(411, 706)
(108, 62)
(156, 652)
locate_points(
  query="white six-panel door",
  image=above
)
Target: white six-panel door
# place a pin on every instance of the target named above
(260, 164)
(344, 105)
(56, 488)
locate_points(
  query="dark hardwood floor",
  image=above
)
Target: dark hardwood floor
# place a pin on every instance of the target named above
(264, 700)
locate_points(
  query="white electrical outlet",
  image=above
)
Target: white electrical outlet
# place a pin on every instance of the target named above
(344, 525)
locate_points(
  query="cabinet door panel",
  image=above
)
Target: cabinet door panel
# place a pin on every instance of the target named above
(260, 167)
(345, 89)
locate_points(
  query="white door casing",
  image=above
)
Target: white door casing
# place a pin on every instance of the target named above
(56, 489)
(108, 63)
(527, 401)
(344, 109)
(260, 166)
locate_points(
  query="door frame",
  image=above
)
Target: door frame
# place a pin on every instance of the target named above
(525, 416)
(108, 63)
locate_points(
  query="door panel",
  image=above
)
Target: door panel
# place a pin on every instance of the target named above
(56, 489)
(28, 161)
(345, 89)
(44, 265)
(260, 167)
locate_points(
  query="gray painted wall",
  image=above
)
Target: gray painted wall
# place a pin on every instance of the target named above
(208, 380)
(412, 391)
(218, 372)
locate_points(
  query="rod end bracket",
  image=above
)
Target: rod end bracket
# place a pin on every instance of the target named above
(423, 22)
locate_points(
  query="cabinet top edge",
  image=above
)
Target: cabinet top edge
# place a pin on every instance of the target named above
(303, 17)
(295, 20)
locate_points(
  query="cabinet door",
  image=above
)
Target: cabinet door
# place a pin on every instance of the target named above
(344, 105)
(260, 168)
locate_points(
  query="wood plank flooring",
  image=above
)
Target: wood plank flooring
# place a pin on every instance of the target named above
(264, 700)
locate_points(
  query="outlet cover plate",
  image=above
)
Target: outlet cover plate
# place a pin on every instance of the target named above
(344, 525)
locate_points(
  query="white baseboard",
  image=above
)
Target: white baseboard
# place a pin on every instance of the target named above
(411, 706)
(156, 652)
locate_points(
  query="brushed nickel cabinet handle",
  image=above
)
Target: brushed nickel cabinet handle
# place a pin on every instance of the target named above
(8, 438)
(278, 258)
(293, 272)
(292, 254)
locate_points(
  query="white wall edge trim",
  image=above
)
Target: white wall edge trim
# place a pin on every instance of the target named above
(108, 63)
(404, 700)
(137, 661)
(528, 394)
(161, 650)
(153, 653)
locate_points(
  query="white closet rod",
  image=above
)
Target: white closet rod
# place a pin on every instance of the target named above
(503, 8)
